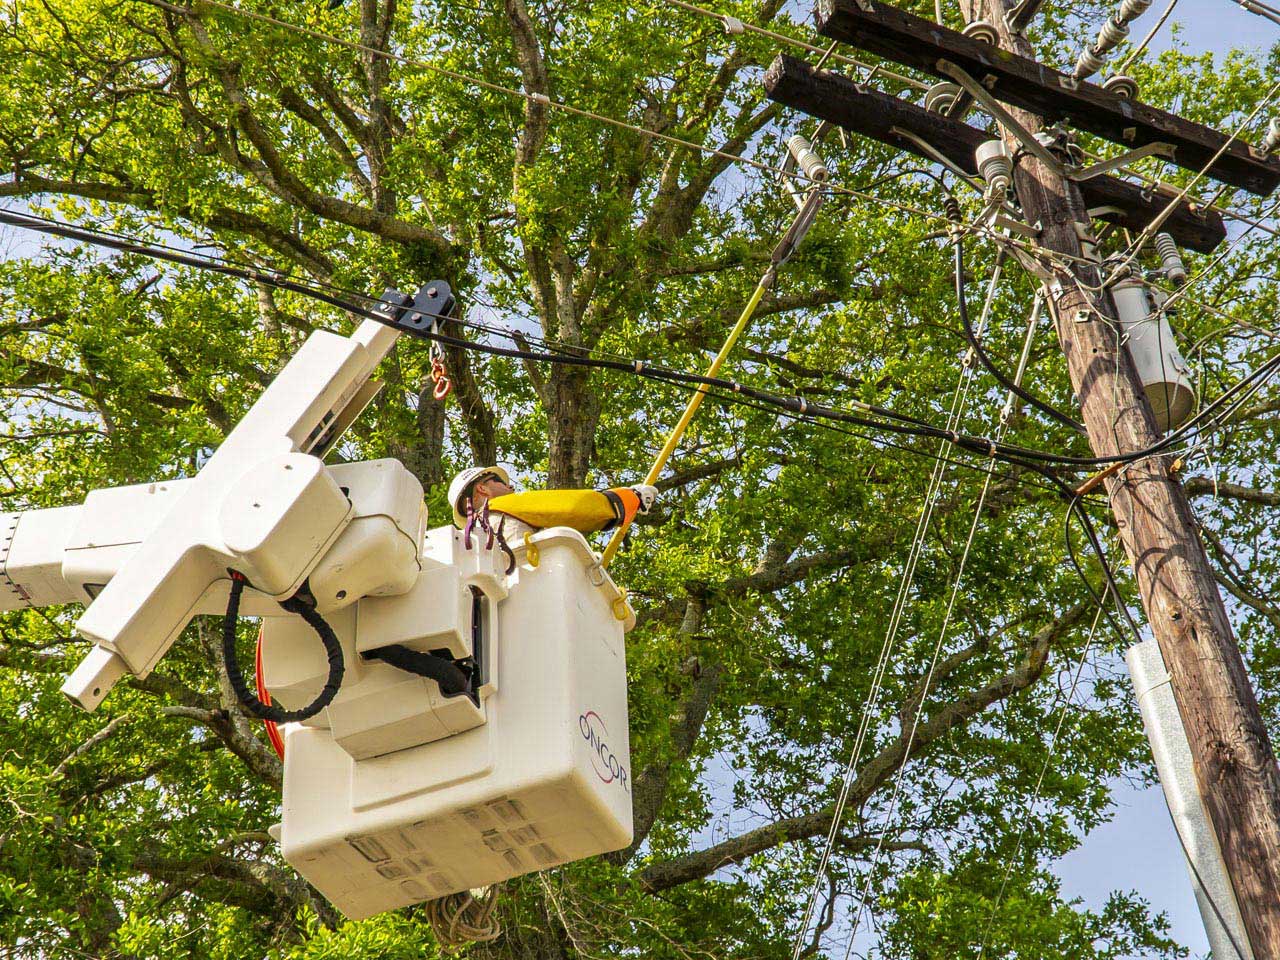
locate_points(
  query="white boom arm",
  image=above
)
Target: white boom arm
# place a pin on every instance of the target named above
(263, 505)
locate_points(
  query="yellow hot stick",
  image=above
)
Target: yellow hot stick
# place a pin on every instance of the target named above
(695, 402)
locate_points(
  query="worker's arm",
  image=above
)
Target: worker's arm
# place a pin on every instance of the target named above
(584, 510)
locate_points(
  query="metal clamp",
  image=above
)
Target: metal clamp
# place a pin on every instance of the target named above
(937, 156)
(1003, 116)
(596, 574)
(1106, 166)
(620, 609)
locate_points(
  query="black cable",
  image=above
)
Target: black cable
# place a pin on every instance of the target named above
(899, 423)
(1076, 509)
(957, 244)
(248, 699)
(446, 673)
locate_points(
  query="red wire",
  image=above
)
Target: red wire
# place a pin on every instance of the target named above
(273, 729)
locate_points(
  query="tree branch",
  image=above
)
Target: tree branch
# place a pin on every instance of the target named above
(665, 874)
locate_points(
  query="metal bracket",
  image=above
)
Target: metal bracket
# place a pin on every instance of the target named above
(1003, 116)
(799, 226)
(936, 155)
(1106, 166)
(1018, 18)
(1004, 222)
(416, 315)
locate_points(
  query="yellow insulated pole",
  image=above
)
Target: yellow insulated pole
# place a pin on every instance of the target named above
(695, 401)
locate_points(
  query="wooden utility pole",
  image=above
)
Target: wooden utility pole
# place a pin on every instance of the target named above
(1235, 767)
(1234, 763)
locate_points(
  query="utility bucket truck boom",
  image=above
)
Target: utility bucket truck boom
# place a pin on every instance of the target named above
(465, 719)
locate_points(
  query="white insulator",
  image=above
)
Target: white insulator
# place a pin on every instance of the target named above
(1088, 64)
(939, 97)
(807, 160)
(1164, 374)
(1171, 259)
(733, 26)
(982, 31)
(1272, 140)
(995, 165)
(1111, 36)
(1131, 10)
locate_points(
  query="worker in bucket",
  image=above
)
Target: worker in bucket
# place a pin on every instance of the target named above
(482, 496)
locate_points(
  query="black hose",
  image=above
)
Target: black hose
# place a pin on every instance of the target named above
(445, 672)
(982, 355)
(252, 705)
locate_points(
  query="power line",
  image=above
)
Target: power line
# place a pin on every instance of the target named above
(869, 415)
(733, 25)
(872, 701)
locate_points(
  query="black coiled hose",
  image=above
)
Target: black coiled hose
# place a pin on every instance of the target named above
(252, 705)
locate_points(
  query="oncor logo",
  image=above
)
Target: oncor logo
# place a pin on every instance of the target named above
(603, 760)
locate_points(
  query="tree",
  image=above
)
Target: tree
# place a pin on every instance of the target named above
(766, 579)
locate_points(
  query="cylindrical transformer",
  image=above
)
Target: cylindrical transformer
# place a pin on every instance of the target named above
(1164, 374)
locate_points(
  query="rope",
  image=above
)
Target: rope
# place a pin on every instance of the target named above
(959, 401)
(462, 918)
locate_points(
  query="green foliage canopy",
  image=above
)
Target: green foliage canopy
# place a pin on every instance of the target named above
(765, 580)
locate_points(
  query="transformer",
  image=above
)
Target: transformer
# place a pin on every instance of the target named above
(1164, 374)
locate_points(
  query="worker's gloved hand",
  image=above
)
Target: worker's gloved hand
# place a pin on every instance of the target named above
(647, 495)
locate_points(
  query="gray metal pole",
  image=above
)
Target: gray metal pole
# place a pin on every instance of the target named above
(1172, 754)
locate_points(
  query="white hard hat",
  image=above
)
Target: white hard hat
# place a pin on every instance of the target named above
(462, 484)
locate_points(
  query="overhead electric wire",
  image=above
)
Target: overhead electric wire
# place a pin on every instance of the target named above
(542, 99)
(1153, 227)
(727, 21)
(980, 352)
(871, 702)
(1151, 34)
(1044, 769)
(888, 419)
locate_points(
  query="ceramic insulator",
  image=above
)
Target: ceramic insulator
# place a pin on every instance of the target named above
(1271, 141)
(1087, 65)
(995, 165)
(1131, 10)
(808, 161)
(1171, 259)
(1110, 36)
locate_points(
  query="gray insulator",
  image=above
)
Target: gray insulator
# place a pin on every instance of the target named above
(1272, 140)
(808, 161)
(1131, 10)
(1118, 85)
(939, 97)
(983, 31)
(733, 26)
(1171, 259)
(1088, 64)
(995, 165)
(1111, 35)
